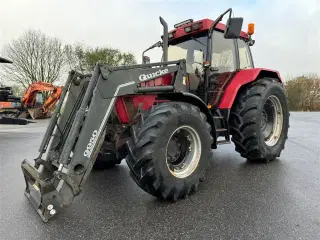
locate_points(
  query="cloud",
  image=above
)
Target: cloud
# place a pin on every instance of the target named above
(287, 32)
(287, 35)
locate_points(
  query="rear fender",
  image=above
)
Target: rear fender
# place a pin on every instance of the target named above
(242, 78)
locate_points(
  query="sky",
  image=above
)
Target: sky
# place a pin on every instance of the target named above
(287, 32)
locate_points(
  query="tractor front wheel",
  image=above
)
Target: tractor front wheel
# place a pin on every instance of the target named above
(259, 120)
(170, 150)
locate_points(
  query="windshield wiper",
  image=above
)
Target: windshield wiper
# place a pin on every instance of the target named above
(197, 41)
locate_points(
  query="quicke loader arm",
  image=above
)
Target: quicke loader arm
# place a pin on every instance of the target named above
(77, 133)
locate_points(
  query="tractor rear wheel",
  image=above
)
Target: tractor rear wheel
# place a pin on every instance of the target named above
(106, 160)
(170, 150)
(110, 154)
(109, 157)
(259, 120)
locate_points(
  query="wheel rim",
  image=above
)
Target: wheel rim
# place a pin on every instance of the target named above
(272, 120)
(183, 151)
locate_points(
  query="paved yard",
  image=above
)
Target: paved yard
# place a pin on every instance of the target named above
(238, 200)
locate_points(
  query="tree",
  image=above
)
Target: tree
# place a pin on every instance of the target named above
(35, 56)
(18, 90)
(83, 59)
(75, 57)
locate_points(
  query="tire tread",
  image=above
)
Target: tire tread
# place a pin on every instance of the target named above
(243, 122)
(140, 153)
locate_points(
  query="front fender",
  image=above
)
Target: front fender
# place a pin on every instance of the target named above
(242, 78)
(195, 100)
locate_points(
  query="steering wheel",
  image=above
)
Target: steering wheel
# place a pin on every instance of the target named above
(201, 67)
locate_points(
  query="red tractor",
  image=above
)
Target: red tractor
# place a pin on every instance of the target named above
(164, 118)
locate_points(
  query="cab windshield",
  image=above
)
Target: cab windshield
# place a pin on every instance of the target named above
(193, 49)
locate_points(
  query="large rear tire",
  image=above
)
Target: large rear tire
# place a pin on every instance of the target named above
(259, 120)
(106, 161)
(110, 155)
(170, 150)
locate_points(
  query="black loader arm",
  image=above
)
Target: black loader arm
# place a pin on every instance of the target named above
(78, 132)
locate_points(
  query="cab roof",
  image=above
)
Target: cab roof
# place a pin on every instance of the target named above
(201, 26)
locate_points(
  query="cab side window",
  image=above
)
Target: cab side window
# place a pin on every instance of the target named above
(223, 53)
(244, 55)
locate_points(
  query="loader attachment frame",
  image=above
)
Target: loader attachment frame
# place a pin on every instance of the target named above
(77, 133)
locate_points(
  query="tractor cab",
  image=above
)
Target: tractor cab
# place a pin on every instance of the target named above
(213, 52)
(222, 51)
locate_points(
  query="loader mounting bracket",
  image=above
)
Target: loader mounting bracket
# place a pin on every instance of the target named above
(45, 193)
(62, 176)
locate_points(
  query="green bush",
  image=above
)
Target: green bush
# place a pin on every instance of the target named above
(303, 93)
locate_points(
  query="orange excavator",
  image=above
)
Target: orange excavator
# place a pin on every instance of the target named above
(32, 100)
(13, 108)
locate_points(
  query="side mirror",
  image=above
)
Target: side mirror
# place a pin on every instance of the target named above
(145, 60)
(233, 28)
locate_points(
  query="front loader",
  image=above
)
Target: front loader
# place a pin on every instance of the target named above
(163, 118)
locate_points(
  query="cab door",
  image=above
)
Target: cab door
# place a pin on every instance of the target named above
(244, 54)
(224, 60)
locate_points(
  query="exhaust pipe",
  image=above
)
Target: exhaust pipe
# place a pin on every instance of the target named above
(165, 39)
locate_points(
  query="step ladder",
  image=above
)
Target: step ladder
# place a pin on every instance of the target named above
(222, 128)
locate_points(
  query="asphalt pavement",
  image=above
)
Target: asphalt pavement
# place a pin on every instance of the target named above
(238, 200)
